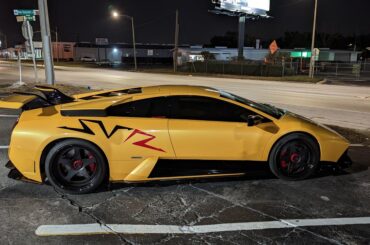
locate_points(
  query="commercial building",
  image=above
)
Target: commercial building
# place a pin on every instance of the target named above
(163, 53)
(195, 53)
(61, 51)
(122, 52)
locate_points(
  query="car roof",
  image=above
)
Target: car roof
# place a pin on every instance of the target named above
(103, 99)
(162, 90)
(179, 89)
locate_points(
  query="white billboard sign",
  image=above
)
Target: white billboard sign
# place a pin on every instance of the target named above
(257, 7)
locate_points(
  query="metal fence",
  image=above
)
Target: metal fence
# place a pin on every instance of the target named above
(357, 71)
(353, 71)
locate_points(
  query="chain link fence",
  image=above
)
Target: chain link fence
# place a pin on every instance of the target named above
(357, 71)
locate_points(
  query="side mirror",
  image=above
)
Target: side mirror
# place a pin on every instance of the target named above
(254, 120)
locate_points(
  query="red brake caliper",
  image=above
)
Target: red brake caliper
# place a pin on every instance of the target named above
(283, 163)
(92, 166)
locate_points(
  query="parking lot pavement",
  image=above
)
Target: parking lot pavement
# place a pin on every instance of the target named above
(257, 197)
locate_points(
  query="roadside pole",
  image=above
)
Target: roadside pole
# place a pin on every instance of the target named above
(57, 43)
(20, 82)
(30, 37)
(46, 42)
(175, 51)
(241, 37)
(134, 41)
(312, 60)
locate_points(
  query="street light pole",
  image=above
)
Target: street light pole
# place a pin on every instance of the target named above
(312, 61)
(115, 14)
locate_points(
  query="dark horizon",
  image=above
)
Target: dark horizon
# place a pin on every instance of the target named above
(84, 20)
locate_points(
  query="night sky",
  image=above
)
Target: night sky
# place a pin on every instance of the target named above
(83, 20)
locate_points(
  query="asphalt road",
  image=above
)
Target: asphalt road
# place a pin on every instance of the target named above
(257, 197)
(342, 105)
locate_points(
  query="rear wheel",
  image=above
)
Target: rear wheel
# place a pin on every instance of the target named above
(295, 157)
(75, 167)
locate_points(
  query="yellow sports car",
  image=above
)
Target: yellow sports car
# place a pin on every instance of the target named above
(159, 133)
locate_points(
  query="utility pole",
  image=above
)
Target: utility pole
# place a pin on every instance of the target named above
(312, 61)
(241, 37)
(176, 49)
(134, 42)
(46, 42)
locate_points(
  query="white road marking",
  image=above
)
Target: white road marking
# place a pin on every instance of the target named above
(4, 147)
(15, 116)
(95, 229)
(357, 145)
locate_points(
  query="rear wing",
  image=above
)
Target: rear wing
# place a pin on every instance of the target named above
(16, 101)
(28, 101)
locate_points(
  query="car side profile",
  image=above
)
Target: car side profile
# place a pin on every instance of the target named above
(160, 133)
(88, 59)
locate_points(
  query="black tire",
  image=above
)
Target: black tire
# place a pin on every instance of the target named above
(76, 167)
(295, 157)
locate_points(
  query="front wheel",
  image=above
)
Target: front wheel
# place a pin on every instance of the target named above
(75, 167)
(295, 157)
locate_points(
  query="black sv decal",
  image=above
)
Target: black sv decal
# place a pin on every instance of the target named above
(85, 129)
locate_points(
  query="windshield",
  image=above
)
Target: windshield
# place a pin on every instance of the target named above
(266, 108)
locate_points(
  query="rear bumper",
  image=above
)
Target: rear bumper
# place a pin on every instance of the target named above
(15, 174)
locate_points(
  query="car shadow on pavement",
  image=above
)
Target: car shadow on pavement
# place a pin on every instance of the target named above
(260, 173)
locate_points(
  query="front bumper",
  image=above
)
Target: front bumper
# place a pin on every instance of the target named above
(345, 161)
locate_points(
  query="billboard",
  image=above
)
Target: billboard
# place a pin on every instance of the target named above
(249, 7)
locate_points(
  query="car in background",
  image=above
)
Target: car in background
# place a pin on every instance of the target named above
(105, 63)
(88, 59)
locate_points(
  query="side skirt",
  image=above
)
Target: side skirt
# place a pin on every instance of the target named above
(202, 168)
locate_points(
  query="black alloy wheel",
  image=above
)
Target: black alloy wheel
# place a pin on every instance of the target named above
(76, 167)
(295, 157)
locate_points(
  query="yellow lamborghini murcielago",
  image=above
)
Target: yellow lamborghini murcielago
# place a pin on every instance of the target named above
(80, 143)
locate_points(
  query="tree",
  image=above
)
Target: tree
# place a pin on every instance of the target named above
(207, 55)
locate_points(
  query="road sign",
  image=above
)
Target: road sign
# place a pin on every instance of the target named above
(26, 12)
(26, 18)
(273, 47)
(316, 52)
(27, 33)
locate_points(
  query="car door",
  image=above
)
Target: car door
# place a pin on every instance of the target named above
(147, 134)
(206, 128)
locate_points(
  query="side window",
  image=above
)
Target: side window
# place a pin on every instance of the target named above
(205, 108)
(153, 107)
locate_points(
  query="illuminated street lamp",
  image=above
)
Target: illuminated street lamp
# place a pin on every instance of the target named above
(116, 15)
(313, 53)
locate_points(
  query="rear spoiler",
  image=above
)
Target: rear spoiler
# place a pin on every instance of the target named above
(28, 101)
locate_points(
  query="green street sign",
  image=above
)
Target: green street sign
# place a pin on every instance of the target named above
(25, 18)
(26, 12)
(300, 54)
(30, 18)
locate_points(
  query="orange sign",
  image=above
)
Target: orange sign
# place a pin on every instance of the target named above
(273, 47)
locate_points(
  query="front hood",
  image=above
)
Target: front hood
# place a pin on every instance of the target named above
(315, 125)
